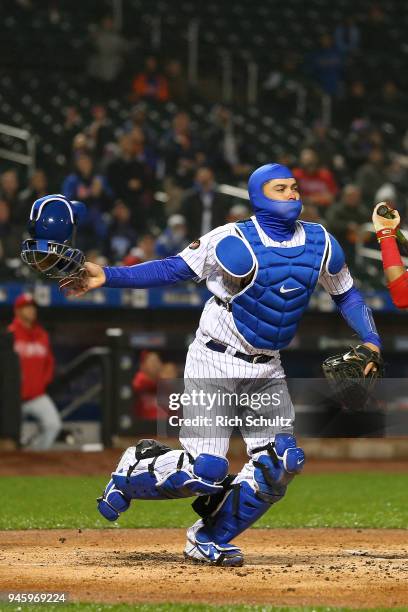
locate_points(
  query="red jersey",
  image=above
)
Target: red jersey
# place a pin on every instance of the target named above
(145, 389)
(318, 183)
(36, 359)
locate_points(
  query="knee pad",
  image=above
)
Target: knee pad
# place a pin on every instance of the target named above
(112, 503)
(208, 471)
(182, 477)
(291, 456)
(274, 470)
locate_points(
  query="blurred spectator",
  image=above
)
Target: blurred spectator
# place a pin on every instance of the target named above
(169, 371)
(110, 47)
(141, 152)
(177, 82)
(92, 189)
(238, 212)
(174, 238)
(358, 142)
(138, 120)
(37, 188)
(223, 146)
(347, 36)
(145, 250)
(345, 216)
(121, 236)
(10, 238)
(310, 213)
(31, 343)
(317, 184)
(73, 125)
(320, 141)
(373, 29)
(203, 207)
(371, 175)
(100, 131)
(283, 86)
(390, 103)
(356, 106)
(87, 186)
(54, 15)
(80, 146)
(150, 84)
(144, 385)
(131, 177)
(397, 175)
(9, 188)
(182, 155)
(325, 66)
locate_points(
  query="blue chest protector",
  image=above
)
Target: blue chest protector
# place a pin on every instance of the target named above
(268, 312)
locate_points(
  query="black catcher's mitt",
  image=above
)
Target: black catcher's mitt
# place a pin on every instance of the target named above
(345, 374)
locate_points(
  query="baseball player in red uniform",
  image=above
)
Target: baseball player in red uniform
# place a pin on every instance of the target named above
(395, 271)
(31, 343)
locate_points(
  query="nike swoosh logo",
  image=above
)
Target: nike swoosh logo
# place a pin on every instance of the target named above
(299, 461)
(283, 290)
(206, 551)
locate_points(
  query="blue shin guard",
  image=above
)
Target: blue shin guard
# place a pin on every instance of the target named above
(244, 502)
(112, 503)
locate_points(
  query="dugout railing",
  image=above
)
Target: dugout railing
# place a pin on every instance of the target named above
(100, 387)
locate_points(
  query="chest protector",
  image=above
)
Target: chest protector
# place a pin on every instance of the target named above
(267, 313)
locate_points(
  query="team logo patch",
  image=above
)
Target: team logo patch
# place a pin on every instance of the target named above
(194, 245)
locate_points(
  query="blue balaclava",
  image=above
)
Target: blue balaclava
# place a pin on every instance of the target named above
(276, 217)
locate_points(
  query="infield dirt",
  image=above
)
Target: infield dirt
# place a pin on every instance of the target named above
(338, 567)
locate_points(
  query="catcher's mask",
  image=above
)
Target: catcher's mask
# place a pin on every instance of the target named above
(52, 226)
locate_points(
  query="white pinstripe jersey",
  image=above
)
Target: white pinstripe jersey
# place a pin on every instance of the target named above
(216, 322)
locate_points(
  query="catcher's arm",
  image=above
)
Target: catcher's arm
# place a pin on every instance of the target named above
(359, 317)
(154, 273)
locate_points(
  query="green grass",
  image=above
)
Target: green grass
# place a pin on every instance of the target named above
(182, 607)
(313, 500)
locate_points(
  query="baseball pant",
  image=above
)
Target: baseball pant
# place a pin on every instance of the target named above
(222, 375)
(43, 410)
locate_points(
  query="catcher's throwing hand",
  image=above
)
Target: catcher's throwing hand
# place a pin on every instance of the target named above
(384, 223)
(371, 366)
(91, 277)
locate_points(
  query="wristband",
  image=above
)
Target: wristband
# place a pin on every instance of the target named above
(386, 232)
(390, 253)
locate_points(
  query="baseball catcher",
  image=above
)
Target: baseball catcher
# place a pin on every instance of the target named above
(262, 273)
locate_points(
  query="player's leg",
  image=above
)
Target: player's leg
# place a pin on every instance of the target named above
(262, 482)
(151, 470)
(44, 411)
(275, 459)
(208, 371)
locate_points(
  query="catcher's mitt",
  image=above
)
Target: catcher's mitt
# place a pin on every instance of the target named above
(345, 374)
